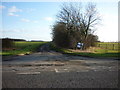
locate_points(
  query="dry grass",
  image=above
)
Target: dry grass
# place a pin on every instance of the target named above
(89, 50)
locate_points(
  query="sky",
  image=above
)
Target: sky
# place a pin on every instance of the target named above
(34, 20)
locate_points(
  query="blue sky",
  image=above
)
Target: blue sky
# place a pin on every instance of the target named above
(34, 20)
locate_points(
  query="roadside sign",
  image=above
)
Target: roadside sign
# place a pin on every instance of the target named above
(79, 45)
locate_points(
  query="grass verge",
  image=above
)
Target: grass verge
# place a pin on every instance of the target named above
(94, 53)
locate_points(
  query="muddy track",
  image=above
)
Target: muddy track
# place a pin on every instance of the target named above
(44, 48)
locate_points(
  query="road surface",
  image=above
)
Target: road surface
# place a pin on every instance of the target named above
(49, 69)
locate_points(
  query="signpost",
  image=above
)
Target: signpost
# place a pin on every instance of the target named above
(80, 45)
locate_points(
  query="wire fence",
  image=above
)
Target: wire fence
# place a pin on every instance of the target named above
(109, 46)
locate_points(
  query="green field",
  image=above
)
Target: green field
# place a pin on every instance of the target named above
(23, 48)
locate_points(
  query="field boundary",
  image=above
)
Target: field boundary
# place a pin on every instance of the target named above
(109, 46)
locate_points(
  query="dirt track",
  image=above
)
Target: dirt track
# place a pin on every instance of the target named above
(49, 66)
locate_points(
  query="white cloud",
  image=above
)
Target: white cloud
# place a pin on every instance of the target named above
(13, 10)
(48, 18)
(25, 20)
(12, 14)
(2, 7)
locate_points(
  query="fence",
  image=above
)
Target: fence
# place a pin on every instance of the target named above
(109, 46)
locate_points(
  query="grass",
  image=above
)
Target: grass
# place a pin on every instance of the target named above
(30, 47)
(100, 50)
(109, 45)
(23, 48)
(96, 52)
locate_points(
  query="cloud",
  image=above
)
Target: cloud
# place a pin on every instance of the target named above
(11, 30)
(25, 20)
(2, 7)
(12, 14)
(48, 18)
(13, 10)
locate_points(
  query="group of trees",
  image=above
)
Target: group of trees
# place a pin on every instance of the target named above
(75, 25)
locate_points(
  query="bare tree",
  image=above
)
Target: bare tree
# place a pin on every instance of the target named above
(90, 18)
(78, 22)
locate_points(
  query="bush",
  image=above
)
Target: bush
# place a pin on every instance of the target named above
(60, 35)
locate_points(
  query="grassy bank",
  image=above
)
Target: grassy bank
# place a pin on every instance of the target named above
(91, 52)
(23, 48)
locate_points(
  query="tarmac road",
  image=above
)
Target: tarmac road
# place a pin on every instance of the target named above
(49, 69)
(91, 79)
